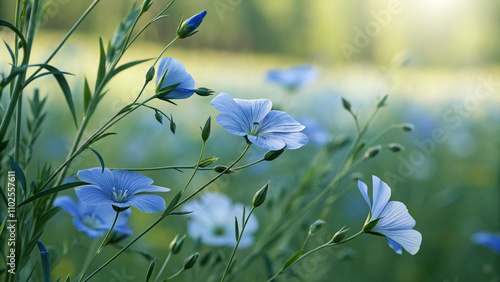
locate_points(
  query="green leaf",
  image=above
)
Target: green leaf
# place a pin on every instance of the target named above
(52, 191)
(12, 57)
(19, 174)
(86, 94)
(24, 45)
(236, 229)
(174, 202)
(291, 260)
(180, 212)
(150, 270)
(3, 223)
(128, 65)
(102, 64)
(99, 157)
(102, 136)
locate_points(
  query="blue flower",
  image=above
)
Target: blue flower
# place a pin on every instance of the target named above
(189, 26)
(120, 188)
(271, 130)
(314, 131)
(487, 239)
(171, 72)
(294, 77)
(95, 220)
(390, 219)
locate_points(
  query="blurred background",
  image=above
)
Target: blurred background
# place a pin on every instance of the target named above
(437, 59)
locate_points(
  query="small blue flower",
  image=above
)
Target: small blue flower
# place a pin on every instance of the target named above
(171, 72)
(189, 26)
(391, 219)
(487, 239)
(120, 188)
(95, 220)
(294, 77)
(314, 131)
(271, 130)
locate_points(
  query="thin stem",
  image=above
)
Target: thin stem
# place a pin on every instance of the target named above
(237, 244)
(178, 167)
(176, 274)
(100, 247)
(163, 266)
(195, 168)
(158, 220)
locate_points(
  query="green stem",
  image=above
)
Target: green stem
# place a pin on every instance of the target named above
(163, 266)
(237, 244)
(100, 247)
(177, 167)
(195, 168)
(176, 274)
(165, 215)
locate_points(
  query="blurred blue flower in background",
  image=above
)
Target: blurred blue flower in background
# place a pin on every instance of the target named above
(171, 72)
(189, 26)
(94, 220)
(487, 239)
(390, 219)
(293, 78)
(271, 130)
(316, 133)
(120, 188)
(212, 220)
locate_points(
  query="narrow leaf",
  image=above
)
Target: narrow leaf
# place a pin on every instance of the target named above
(12, 57)
(45, 259)
(52, 191)
(291, 260)
(102, 64)
(150, 270)
(180, 212)
(19, 174)
(86, 94)
(102, 136)
(99, 157)
(128, 65)
(236, 229)
(174, 202)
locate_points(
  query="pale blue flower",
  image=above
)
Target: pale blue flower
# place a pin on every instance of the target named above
(212, 221)
(173, 72)
(391, 219)
(271, 130)
(95, 220)
(294, 77)
(487, 239)
(120, 188)
(314, 131)
(189, 26)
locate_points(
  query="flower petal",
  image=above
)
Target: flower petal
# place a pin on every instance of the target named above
(93, 233)
(409, 239)
(147, 203)
(277, 121)
(97, 177)
(271, 142)
(254, 110)
(394, 216)
(381, 195)
(93, 195)
(230, 124)
(395, 246)
(225, 104)
(363, 188)
(292, 140)
(67, 204)
(135, 182)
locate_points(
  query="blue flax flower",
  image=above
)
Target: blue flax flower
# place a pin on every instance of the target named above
(487, 239)
(189, 26)
(271, 130)
(95, 220)
(294, 77)
(120, 188)
(390, 219)
(172, 72)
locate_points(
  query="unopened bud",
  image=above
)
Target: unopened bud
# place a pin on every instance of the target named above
(260, 196)
(382, 101)
(407, 127)
(340, 235)
(395, 147)
(373, 151)
(203, 91)
(208, 161)
(272, 155)
(315, 227)
(346, 104)
(176, 244)
(190, 261)
(222, 168)
(150, 74)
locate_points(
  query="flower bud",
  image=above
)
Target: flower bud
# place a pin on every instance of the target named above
(146, 5)
(272, 155)
(260, 196)
(158, 117)
(356, 176)
(395, 147)
(208, 161)
(203, 91)
(173, 126)
(205, 132)
(150, 74)
(373, 151)
(189, 26)
(315, 227)
(223, 168)
(407, 127)
(382, 101)
(340, 235)
(176, 244)
(190, 261)
(346, 104)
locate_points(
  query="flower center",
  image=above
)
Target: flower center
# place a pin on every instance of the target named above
(91, 221)
(119, 195)
(254, 129)
(219, 231)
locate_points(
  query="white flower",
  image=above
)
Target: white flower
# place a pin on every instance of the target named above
(212, 221)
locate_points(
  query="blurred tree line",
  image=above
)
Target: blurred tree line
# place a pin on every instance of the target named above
(430, 32)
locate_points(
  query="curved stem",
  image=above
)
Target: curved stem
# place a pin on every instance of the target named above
(100, 247)
(163, 266)
(176, 274)
(195, 168)
(178, 167)
(237, 244)
(158, 220)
